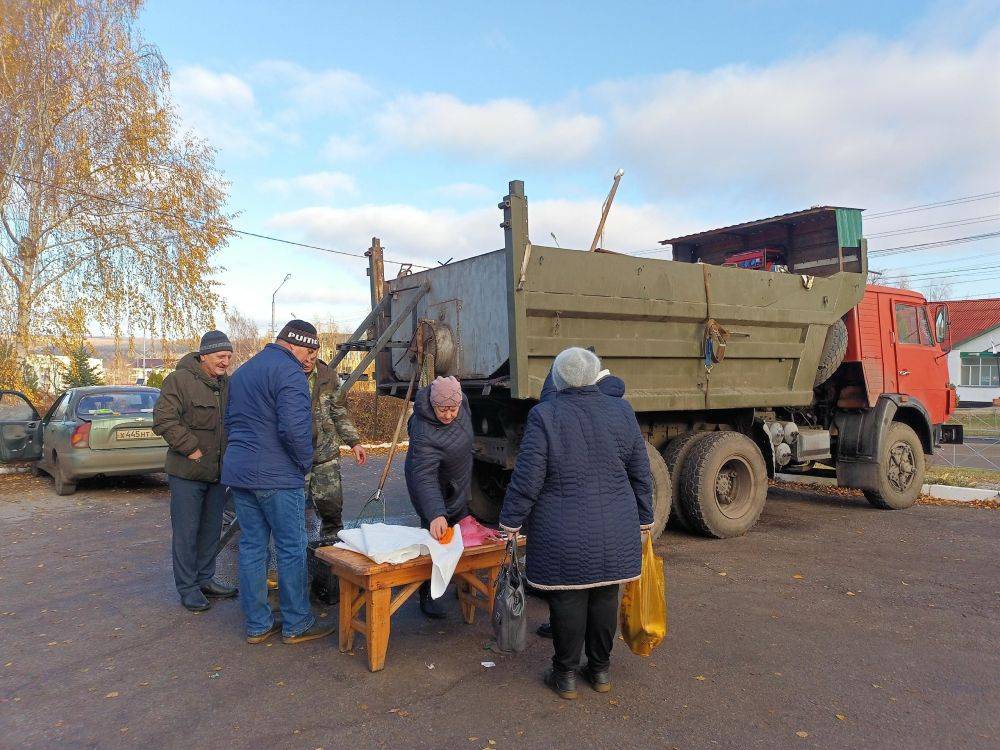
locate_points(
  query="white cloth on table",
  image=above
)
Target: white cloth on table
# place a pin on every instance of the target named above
(385, 543)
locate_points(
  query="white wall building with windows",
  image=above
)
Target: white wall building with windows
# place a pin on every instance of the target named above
(974, 366)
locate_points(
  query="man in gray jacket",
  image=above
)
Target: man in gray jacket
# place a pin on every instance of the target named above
(189, 416)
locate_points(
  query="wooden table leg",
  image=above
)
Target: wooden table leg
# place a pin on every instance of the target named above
(466, 601)
(491, 581)
(377, 615)
(348, 593)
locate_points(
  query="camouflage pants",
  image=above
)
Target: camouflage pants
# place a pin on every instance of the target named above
(327, 494)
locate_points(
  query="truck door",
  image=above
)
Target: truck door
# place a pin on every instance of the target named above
(919, 362)
(20, 428)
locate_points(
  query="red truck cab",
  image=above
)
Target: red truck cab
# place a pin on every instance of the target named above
(895, 337)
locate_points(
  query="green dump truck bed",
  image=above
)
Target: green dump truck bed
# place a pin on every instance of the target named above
(510, 311)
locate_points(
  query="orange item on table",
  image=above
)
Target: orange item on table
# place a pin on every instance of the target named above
(446, 537)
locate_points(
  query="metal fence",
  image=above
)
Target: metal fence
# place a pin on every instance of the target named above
(981, 449)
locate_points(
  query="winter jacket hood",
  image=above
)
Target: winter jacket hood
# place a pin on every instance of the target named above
(439, 461)
(582, 486)
(269, 421)
(189, 416)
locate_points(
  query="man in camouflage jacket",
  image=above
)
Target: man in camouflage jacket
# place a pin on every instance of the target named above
(332, 427)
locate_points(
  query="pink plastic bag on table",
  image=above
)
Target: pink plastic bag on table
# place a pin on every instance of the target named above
(474, 533)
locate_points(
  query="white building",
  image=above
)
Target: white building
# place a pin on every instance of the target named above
(974, 360)
(50, 369)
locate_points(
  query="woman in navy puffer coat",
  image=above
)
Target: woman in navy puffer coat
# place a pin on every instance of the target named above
(582, 484)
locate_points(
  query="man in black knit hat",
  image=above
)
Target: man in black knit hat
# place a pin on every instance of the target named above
(189, 416)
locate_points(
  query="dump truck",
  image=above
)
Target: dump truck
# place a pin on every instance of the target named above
(736, 369)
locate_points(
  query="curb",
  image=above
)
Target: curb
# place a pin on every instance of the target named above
(14, 469)
(938, 491)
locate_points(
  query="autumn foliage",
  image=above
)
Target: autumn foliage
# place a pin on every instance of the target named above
(103, 199)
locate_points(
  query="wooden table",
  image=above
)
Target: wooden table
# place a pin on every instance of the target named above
(368, 585)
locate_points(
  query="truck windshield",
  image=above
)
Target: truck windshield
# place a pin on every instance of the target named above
(116, 404)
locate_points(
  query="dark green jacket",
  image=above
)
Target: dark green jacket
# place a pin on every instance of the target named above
(189, 416)
(332, 425)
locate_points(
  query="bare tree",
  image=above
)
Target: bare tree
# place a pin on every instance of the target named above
(101, 197)
(244, 335)
(939, 290)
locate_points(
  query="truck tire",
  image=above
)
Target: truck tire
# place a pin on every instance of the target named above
(489, 482)
(674, 455)
(834, 349)
(724, 484)
(663, 491)
(901, 469)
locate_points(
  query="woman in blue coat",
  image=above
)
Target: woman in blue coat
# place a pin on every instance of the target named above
(439, 464)
(582, 484)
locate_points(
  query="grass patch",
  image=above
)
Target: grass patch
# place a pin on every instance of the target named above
(961, 477)
(982, 422)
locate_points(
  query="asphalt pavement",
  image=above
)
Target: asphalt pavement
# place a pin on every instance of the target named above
(830, 625)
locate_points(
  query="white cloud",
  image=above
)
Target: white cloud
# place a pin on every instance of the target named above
(426, 236)
(312, 92)
(344, 148)
(497, 129)
(320, 185)
(860, 119)
(222, 108)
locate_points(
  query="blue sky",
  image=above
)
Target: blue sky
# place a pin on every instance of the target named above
(335, 122)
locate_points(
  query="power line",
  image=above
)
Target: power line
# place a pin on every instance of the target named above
(901, 249)
(927, 206)
(181, 217)
(942, 225)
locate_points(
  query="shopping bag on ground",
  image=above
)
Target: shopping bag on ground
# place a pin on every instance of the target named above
(643, 612)
(510, 622)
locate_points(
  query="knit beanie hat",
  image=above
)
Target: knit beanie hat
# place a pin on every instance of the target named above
(300, 333)
(575, 368)
(446, 391)
(214, 341)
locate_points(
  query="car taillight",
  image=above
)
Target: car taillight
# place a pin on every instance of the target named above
(81, 436)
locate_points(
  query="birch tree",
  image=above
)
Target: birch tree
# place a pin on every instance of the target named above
(103, 199)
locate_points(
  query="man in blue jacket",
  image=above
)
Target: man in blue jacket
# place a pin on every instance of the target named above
(270, 451)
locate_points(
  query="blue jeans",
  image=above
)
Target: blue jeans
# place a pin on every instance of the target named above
(277, 513)
(196, 521)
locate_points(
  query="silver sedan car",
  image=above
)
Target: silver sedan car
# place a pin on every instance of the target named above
(88, 432)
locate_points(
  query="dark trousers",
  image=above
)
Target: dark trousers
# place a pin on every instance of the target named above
(196, 519)
(583, 618)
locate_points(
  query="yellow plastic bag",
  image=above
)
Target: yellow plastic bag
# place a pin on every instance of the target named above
(643, 613)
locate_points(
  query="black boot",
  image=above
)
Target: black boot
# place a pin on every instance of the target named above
(428, 606)
(600, 680)
(563, 683)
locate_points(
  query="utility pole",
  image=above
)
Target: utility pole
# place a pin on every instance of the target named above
(287, 277)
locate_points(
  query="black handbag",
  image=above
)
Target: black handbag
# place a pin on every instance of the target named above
(510, 621)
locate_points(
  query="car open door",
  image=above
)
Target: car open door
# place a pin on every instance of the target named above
(20, 428)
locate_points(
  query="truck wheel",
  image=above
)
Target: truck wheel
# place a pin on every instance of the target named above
(834, 349)
(901, 469)
(63, 485)
(489, 483)
(662, 491)
(674, 454)
(724, 484)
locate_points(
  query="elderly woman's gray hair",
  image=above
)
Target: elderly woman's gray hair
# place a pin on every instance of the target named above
(575, 368)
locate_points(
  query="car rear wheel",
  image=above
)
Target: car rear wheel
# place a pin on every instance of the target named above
(63, 485)
(724, 484)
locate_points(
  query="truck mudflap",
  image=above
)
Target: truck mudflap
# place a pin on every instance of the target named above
(860, 435)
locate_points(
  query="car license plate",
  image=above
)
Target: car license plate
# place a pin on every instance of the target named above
(136, 434)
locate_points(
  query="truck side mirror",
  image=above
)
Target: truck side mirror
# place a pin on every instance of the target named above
(941, 327)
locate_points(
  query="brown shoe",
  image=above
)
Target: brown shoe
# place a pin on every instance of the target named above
(318, 630)
(260, 638)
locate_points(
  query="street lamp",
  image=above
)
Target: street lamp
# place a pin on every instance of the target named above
(287, 277)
